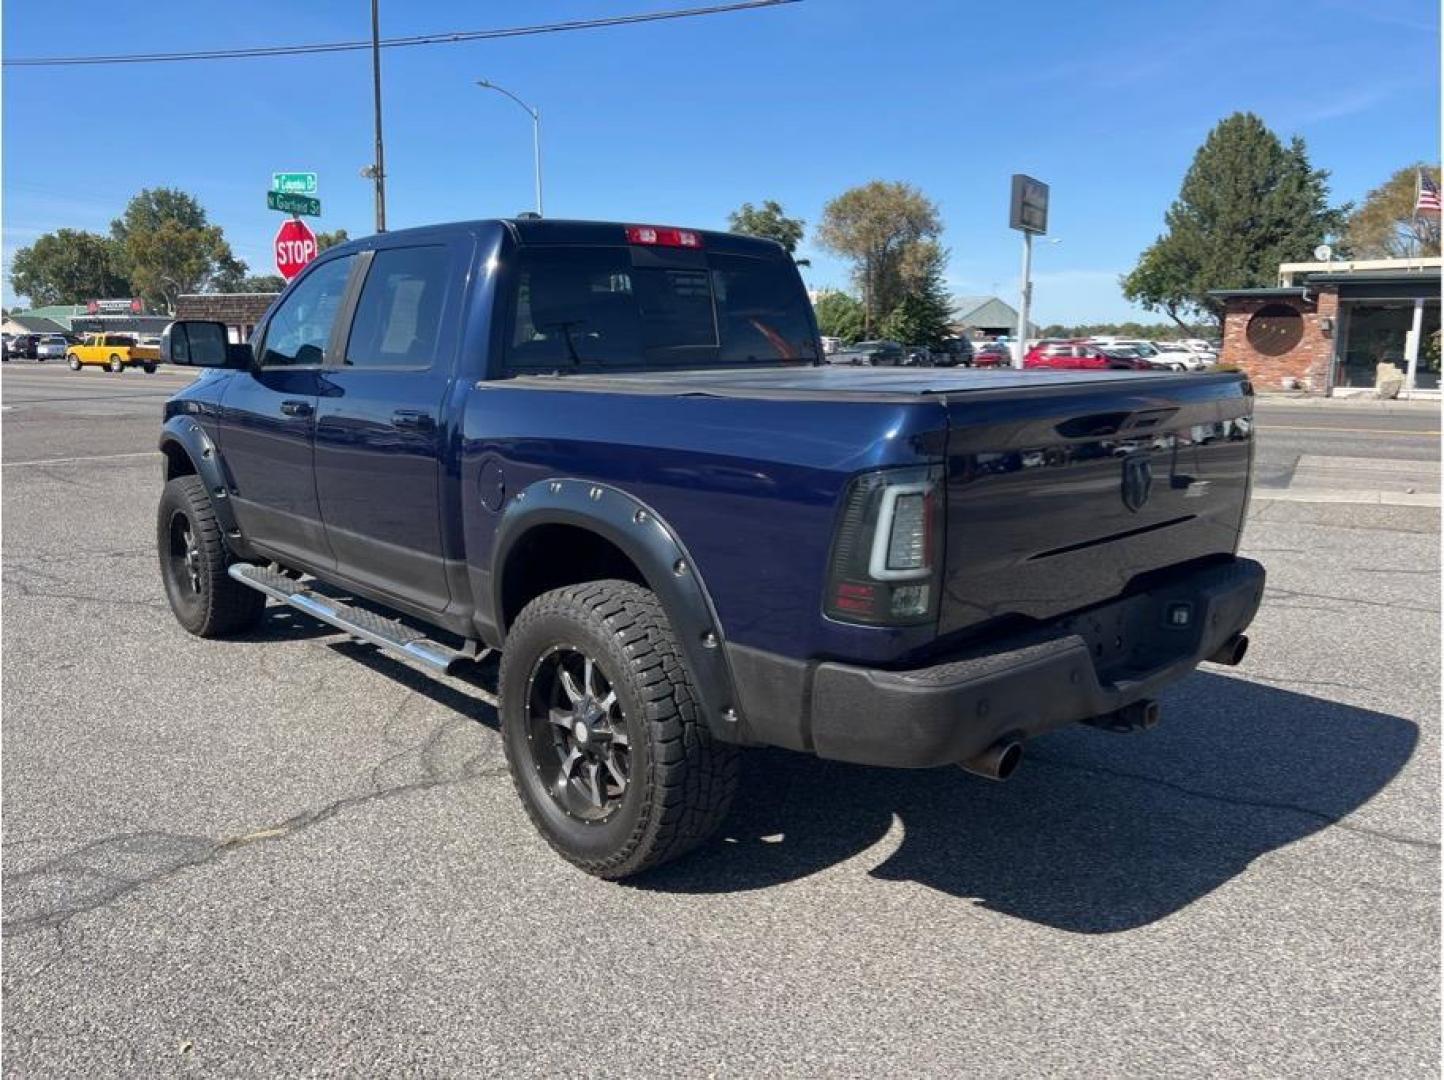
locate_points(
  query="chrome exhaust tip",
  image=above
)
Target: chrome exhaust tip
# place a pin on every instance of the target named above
(997, 762)
(1231, 652)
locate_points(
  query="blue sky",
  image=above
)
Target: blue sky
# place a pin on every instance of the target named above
(679, 122)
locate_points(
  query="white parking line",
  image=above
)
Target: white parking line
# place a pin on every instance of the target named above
(69, 460)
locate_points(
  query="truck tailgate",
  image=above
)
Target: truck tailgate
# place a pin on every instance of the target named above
(1062, 496)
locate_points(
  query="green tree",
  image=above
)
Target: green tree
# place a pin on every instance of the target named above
(67, 267)
(924, 314)
(326, 240)
(1386, 227)
(769, 222)
(167, 247)
(839, 315)
(874, 225)
(261, 283)
(1247, 203)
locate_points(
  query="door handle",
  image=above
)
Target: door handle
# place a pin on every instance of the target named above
(413, 419)
(297, 408)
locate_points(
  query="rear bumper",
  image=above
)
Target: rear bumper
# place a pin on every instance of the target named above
(1085, 665)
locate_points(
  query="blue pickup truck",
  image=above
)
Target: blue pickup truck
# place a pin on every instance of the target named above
(615, 454)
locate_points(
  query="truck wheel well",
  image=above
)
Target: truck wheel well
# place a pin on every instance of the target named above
(550, 557)
(177, 461)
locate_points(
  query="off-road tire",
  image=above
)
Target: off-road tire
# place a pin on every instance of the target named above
(116, 365)
(682, 780)
(221, 605)
(150, 369)
(74, 364)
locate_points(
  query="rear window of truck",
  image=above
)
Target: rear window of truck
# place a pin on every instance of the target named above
(590, 307)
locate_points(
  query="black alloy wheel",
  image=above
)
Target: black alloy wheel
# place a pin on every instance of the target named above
(578, 736)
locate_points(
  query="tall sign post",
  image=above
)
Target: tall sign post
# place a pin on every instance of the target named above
(1028, 213)
(295, 245)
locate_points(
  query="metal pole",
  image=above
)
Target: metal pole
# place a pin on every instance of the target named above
(535, 115)
(536, 156)
(380, 166)
(1024, 300)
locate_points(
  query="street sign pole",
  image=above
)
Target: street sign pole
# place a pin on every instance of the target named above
(1025, 298)
(1028, 213)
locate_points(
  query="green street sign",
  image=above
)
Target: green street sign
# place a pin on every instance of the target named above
(294, 183)
(293, 204)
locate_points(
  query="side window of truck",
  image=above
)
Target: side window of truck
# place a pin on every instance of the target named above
(398, 315)
(300, 330)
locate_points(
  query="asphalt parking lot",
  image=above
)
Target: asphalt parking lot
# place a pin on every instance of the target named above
(289, 855)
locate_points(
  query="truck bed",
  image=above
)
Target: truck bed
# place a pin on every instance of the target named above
(1064, 488)
(862, 383)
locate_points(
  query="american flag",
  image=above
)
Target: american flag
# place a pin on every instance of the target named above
(1427, 201)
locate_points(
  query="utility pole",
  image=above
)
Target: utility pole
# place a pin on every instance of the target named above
(378, 168)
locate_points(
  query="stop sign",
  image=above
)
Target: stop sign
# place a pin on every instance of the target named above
(295, 247)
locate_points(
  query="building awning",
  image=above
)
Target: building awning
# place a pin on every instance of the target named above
(1381, 284)
(1243, 294)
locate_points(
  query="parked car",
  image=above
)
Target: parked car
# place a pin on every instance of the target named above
(114, 352)
(1128, 356)
(5, 348)
(870, 354)
(1077, 355)
(953, 352)
(1179, 357)
(50, 347)
(992, 354)
(917, 356)
(683, 532)
(25, 346)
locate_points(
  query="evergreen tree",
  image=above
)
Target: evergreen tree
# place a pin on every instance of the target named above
(839, 315)
(1248, 203)
(924, 315)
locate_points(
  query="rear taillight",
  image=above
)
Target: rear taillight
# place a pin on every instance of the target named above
(658, 236)
(884, 567)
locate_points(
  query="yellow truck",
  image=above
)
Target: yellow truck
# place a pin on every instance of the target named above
(114, 352)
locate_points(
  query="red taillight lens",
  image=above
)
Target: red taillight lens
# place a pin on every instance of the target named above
(884, 566)
(658, 236)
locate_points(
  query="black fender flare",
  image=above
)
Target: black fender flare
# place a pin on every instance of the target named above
(205, 458)
(654, 547)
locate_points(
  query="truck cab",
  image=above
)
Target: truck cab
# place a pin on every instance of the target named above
(616, 454)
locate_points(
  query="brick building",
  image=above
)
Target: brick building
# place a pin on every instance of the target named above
(239, 311)
(1327, 328)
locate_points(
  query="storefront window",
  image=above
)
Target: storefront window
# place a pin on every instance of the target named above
(1375, 335)
(1427, 377)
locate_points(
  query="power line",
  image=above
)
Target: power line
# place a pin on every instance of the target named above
(394, 43)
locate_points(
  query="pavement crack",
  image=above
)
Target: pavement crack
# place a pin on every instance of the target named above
(1256, 804)
(97, 874)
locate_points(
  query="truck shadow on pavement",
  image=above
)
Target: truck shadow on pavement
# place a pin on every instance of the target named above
(1096, 833)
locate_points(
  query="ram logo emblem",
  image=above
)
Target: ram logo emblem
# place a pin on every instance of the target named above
(1137, 481)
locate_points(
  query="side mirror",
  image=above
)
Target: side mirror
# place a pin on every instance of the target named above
(194, 343)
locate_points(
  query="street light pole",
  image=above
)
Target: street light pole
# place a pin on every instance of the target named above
(378, 169)
(535, 115)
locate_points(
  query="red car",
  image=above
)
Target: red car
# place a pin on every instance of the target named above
(992, 354)
(1078, 355)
